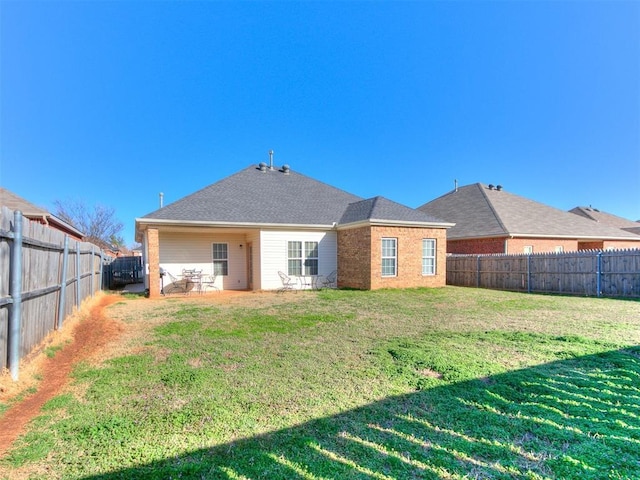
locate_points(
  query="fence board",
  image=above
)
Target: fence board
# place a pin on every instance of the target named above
(41, 277)
(612, 273)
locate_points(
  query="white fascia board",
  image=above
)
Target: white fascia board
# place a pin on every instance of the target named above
(394, 223)
(145, 222)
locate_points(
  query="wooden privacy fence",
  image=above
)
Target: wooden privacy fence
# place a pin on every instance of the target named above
(610, 273)
(44, 276)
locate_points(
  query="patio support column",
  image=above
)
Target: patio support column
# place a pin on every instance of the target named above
(153, 246)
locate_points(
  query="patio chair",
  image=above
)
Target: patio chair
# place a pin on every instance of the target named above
(176, 284)
(208, 281)
(288, 283)
(330, 281)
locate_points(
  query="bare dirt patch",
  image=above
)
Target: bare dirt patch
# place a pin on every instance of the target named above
(84, 335)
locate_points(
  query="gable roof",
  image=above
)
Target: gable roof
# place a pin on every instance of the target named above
(481, 211)
(280, 197)
(605, 218)
(29, 210)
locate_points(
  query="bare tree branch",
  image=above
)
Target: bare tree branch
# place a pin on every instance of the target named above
(99, 224)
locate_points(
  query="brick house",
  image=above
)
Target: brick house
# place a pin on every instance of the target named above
(489, 219)
(263, 220)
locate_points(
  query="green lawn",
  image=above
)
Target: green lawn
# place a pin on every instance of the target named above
(441, 383)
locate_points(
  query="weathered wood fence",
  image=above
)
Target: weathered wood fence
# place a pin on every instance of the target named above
(44, 276)
(610, 273)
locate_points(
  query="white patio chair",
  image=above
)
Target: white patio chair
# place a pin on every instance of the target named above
(176, 285)
(330, 281)
(288, 283)
(208, 281)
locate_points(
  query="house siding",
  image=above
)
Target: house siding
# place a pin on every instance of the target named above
(541, 245)
(516, 245)
(360, 257)
(354, 258)
(477, 245)
(274, 255)
(194, 251)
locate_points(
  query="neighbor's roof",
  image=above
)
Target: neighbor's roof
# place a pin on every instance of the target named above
(29, 210)
(605, 218)
(14, 202)
(275, 197)
(480, 211)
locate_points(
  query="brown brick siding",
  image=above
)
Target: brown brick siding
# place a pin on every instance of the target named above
(477, 245)
(153, 247)
(541, 245)
(620, 244)
(354, 258)
(360, 262)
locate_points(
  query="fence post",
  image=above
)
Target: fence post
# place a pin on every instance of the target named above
(478, 272)
(78, 275)
(15, 286)
(93, 268)
(599, 274)
(63, 282)
(528, 273)
(101, 270)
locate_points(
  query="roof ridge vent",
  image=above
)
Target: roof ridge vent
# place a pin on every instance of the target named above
(286, 169)
(262, 166)
(499, 187)
(491, 187)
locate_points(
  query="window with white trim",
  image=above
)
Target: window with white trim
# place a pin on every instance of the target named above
(294, 258)
(528, 249)
(559, 249)
(389, 257)
(428, 256)
(311, 258)
(302, 262)
(220, 259)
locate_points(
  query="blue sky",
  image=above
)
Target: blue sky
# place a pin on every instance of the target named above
(113, 102)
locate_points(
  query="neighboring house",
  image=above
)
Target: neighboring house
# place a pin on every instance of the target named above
(29, 210)
(490, 220)
(262, 220)
(607, 219)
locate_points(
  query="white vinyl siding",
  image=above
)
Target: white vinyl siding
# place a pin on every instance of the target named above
(389, 257)
(428, 256)
(274, 253)
(180, 251)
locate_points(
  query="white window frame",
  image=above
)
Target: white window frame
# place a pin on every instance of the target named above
(294, 257)
(304, 260)
(389, 248)
(311, 262)
(222, 262)
(559, 249)
(427, 245)
(528, 249)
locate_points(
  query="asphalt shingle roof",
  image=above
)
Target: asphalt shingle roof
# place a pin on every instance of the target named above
(253, 196)
(479, 211)
(607, 218)
(380, 208)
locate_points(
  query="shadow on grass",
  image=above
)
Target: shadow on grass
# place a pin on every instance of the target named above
(576, 418)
